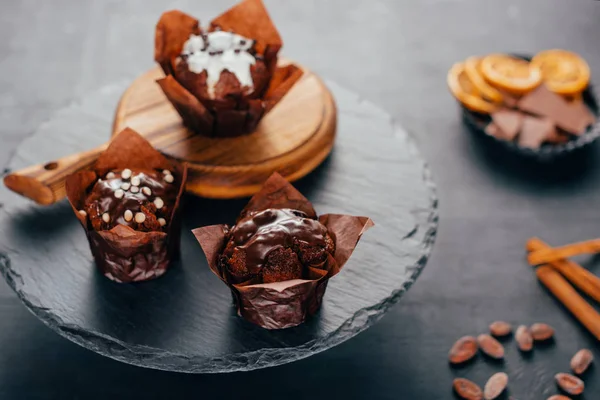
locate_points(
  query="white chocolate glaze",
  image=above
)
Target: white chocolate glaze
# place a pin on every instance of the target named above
(219, 51)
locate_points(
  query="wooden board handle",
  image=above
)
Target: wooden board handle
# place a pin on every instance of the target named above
(45, 183)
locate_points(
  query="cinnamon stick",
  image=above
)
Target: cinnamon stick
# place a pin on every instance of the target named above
(569, 297)
(548, 255)
(579, 276)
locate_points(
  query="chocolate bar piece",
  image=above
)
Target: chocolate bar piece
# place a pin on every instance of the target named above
(493, 130)
(545, 103)
(535, 131)
(582, 113)
(509, 122)
(510, 100)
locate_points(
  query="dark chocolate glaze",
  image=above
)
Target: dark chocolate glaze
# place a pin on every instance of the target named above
(101, 199)
(259, 233)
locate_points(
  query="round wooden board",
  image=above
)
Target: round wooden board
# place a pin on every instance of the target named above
(293, 138)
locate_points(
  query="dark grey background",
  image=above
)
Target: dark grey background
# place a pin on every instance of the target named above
(396, 54)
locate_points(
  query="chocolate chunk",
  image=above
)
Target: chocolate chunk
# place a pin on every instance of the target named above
(582, 113)
(510, 100)
(509, 122)
(545, 103)
(535, 131)
(493, 130)
(558, 137)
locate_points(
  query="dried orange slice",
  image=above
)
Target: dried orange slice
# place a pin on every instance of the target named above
(563, 72)
(473, 71)
(463, 89)
(510, 73)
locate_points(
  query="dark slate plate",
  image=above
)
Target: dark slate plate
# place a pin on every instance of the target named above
(548, 152)
(185, 321)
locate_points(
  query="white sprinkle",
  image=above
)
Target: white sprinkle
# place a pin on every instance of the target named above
(119, 193)
(169, 178)
(110, 175)
(135, 189)
(159, 203)
(135, 181)
(125, 186)
(166, 172)
(128, 215)
(147, 191)
(106, 218)
(162, 221)
(126, 173)
(140, 217)
(82, 213)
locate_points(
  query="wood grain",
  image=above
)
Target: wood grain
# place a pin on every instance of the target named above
(293, 139)
(45, 183)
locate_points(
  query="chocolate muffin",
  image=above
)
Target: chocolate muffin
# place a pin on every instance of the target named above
(275, 245)
(279, 256)
(222, 79)
(140, 199)
(220, 66)
(128, 205)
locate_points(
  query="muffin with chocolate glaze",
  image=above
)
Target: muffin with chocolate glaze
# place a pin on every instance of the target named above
(275, 245)
(128, 205)
(223, 78)
(279, 256)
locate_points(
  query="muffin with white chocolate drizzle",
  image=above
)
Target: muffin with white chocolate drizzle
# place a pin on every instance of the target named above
(222, 79)
(140, 199)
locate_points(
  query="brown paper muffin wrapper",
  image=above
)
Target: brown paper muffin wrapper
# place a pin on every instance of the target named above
(122, 253)
(236, 116)
(284, 304)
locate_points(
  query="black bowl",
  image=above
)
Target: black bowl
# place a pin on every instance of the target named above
(477, 123)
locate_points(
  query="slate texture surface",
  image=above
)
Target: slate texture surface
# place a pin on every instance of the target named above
(186, 322)
(396, 55)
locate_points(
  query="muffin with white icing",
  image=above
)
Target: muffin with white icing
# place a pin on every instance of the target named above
(221, 66)
(222, 79)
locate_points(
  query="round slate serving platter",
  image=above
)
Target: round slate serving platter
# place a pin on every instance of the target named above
(185, 321)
